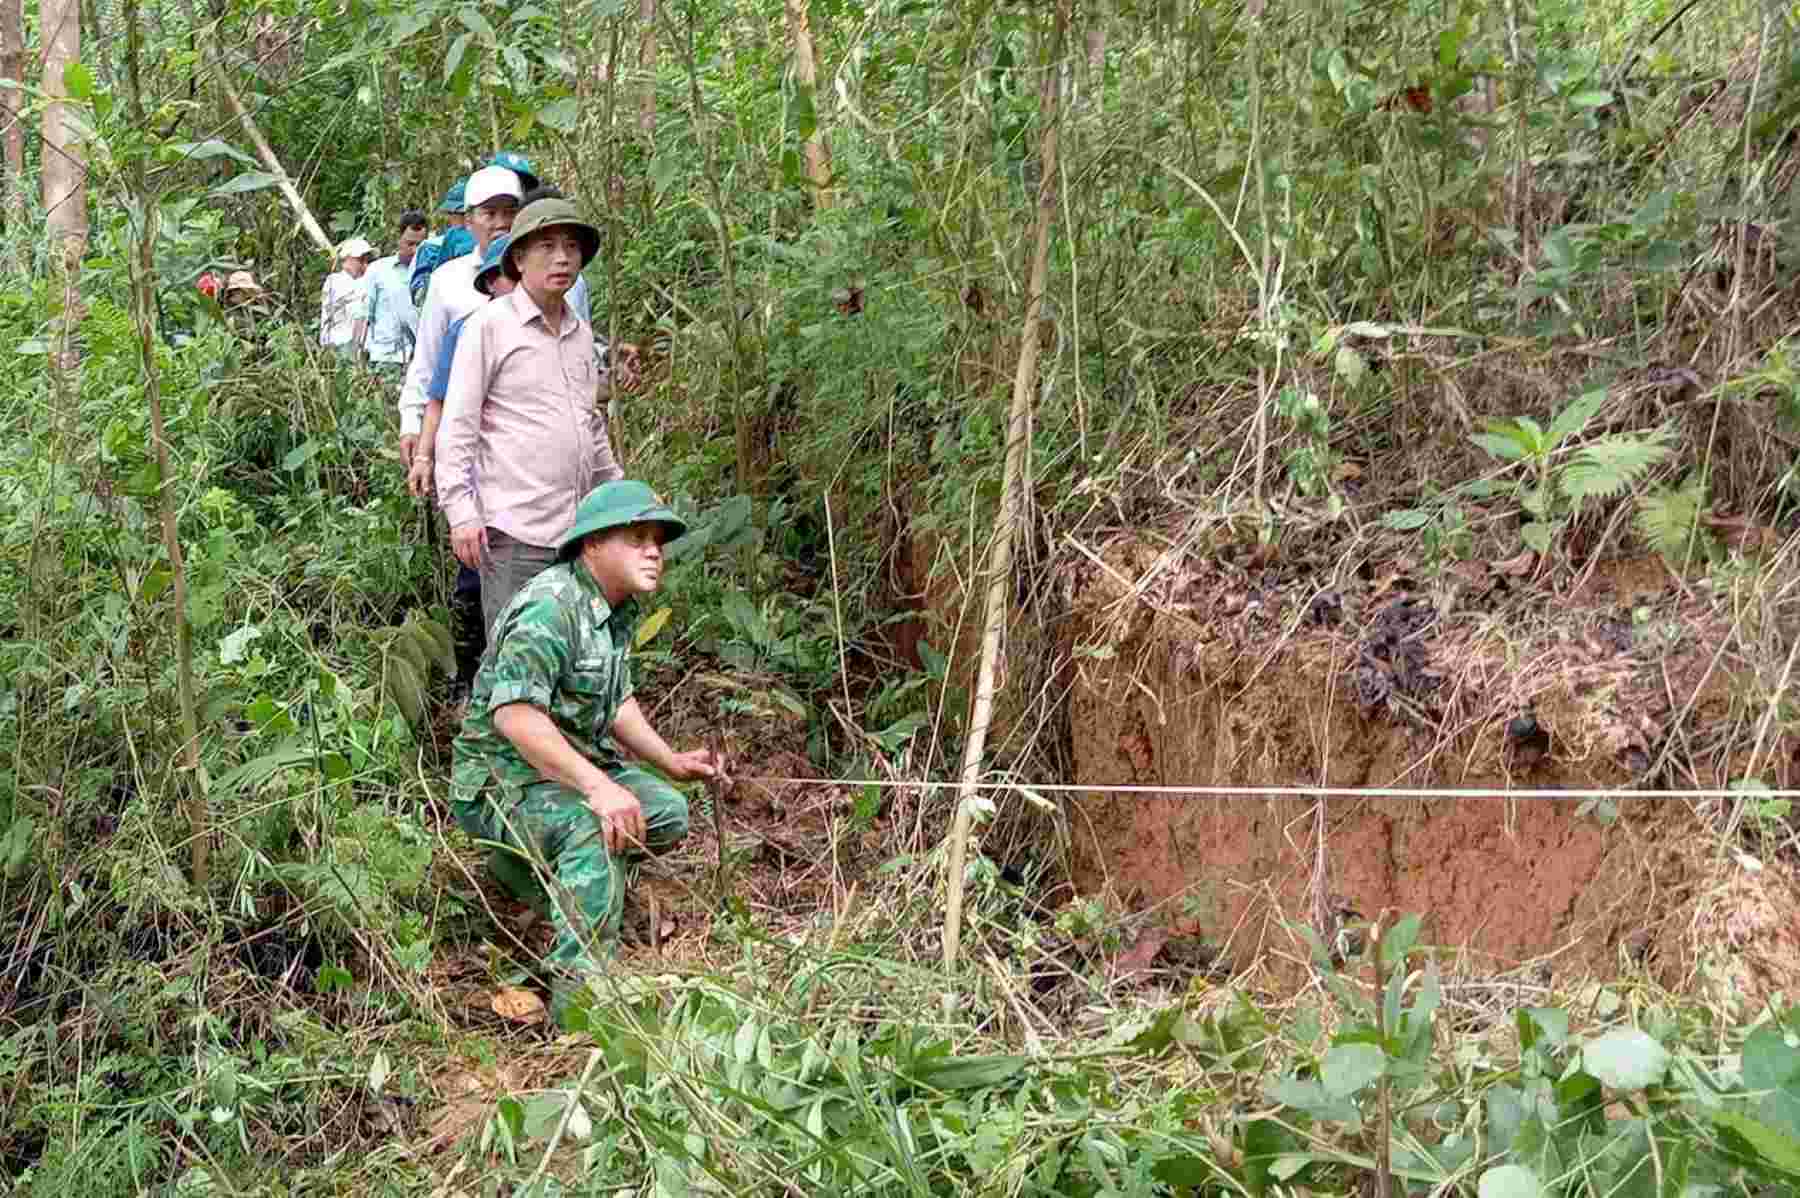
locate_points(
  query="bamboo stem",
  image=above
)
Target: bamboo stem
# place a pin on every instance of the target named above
(286, 185)
(1006, 520)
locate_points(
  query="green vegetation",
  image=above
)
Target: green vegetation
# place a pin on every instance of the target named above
(1456, 281)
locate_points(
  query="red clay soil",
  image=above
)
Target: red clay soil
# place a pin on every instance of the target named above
(1292, 690)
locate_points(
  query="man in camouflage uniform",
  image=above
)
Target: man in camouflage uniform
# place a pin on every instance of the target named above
(540, 764)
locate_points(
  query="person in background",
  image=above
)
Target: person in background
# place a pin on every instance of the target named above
(524, 435)
(343, 301)
(393, 321)
(493, 200)
(453, 242)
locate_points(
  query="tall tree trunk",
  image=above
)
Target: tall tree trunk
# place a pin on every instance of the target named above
(12, 137)
(1012, 483)
(647, 67)
(65, 190)
(806, 71)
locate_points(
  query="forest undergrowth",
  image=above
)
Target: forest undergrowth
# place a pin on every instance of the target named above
(1333, 294)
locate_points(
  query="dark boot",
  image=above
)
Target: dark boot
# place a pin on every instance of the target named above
(468, 629)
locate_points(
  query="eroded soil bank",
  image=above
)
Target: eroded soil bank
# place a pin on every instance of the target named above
(1228, 676)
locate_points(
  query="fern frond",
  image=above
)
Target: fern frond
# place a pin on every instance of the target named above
(1610, 465)
(1666, 517)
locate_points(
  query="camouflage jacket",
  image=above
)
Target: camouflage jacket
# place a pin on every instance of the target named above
(560, 647)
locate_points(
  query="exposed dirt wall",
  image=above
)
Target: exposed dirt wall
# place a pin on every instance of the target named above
(1208, 680)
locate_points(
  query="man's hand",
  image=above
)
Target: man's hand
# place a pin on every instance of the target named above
(418, 475)
(620, 816)
(696, 764)
(408, 443)
(470, 545)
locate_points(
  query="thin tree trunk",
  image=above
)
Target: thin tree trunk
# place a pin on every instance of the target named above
(647, 67)
(288, 191)
(12, 137)
(806, 70)
(143, 311)
(65, 190)
(143, 294)
(1006, 520)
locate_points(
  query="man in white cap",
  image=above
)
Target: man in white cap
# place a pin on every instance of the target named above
(344, 300)
(492, 198)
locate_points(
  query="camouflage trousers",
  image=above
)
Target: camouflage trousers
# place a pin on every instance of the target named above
(550, 833)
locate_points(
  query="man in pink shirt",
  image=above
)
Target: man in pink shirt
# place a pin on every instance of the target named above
(523, 435)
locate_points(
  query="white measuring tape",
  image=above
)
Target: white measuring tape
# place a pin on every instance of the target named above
(1293, 792)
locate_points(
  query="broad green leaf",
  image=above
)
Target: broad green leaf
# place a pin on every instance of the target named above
(1350, 366)
(1367, 328)
(1778, 1149)
(560, 115)
(1591, 99)
(299, 455)
(78, 81)
(248, 181)
(1625, 1058)
(1504, 441)
(1559, 250)
(454, 59)
(743, 1046)
(1406, 519)
(1347, 1068)
(1536, 535)
(235, 646)
(1548, 1023)
(475, 23)
(650, 626)
(378, 1073)
(1510, 1181)
(211, 148)
(1399, 940)
(967, 1073)
(1573, 418)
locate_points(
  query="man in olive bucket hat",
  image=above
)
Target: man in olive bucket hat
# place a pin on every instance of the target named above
(540, 764)
(523, 436)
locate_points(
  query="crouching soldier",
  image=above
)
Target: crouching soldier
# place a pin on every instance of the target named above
(540, 764)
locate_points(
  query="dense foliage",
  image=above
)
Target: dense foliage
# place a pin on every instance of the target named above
(1474, 279)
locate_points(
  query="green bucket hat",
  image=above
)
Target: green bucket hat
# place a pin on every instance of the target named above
(539, 215)
(615, 504)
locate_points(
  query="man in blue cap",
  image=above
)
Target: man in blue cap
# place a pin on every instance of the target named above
(542, 763)
(453, 242)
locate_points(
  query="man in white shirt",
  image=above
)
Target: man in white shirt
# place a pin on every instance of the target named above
(393, 321)
(492, 196)
(344, 300)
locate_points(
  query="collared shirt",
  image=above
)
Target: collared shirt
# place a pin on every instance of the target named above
(451, 295)
(440, 374)
(342, 302)
(523, 435)
(393, 321)
(560, 647)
